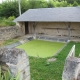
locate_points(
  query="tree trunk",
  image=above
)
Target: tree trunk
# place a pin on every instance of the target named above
(19, 7)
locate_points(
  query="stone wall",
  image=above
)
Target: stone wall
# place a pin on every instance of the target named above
(17, 62)
(10, 32)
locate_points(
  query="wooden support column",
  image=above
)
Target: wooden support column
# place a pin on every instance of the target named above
(34, 26)
(68, 27)
(69, 30)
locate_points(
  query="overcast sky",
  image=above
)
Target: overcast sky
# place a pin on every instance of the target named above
(1, 1)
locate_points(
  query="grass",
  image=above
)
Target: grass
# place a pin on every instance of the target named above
(7, 42)
(10, 41)
(39, 48)
(41, 70)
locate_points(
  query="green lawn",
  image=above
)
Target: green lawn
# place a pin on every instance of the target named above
(8, 42)
(39, 48)
(41, 70)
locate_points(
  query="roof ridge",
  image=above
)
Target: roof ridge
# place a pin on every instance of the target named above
(54, 8)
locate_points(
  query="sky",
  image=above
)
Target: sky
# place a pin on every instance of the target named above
(1, 1)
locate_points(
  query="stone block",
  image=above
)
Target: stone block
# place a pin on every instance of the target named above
(17, 61)
(72, 66)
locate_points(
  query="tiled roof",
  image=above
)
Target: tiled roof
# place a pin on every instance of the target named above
(62, 14)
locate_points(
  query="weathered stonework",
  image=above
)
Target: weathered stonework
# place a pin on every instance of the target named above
(72, 67)
(10, 32)
(17, 61)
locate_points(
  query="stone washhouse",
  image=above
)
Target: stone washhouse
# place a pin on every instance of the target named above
(62, 23)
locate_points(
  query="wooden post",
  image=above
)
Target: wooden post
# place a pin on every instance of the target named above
(34, 26)
(69, 30)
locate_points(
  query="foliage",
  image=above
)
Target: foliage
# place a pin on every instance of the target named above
(61, 4)
(42, 70)
(75, 3)
(7, 76)
(51, 4)
(11, 18)
(7, 21)
(10, 7)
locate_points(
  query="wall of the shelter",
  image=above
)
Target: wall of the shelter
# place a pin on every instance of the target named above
(75, 29)
(55, 28)
(21, 25)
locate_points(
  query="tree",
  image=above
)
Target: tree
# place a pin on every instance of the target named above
(16, 7)
(50, 4)
(70, 1)
(8, 9)
(75, 3)
(19, 7)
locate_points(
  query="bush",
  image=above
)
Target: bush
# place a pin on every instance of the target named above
(11, 18)
(75, 3)
(7, 22)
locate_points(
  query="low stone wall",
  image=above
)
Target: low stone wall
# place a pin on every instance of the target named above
(10, 32)
(72, 66)
(17, 61)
